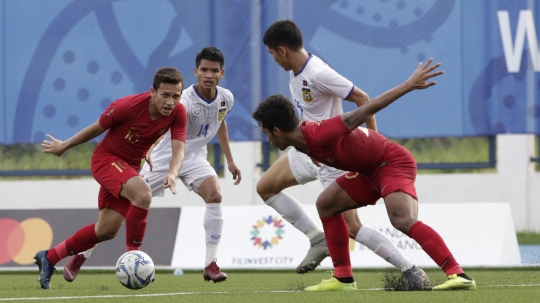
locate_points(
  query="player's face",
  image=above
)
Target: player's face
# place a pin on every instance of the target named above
(167, 97)
(274, 140)
(208, 74)
(280, 57)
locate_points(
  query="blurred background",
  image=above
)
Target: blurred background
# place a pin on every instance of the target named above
(63, 62)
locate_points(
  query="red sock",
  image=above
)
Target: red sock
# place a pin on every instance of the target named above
(337, 239)
(432, 243)
(83, 239)
(135, 227)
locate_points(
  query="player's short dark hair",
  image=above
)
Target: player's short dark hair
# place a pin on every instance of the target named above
(210, 53)
(276, 111)
(167, 75)
(283, 33)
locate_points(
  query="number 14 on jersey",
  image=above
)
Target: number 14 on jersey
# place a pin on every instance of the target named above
(203, 130)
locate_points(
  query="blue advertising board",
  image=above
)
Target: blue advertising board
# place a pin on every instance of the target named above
(63, 61)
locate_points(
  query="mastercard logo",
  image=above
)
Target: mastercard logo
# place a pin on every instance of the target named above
(19, 242)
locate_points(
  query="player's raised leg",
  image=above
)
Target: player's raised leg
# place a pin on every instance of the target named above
(330, 204)
(380, 244)
(277, 178)
(109, 223)
(74, 264)
(403, 213)
(213, 225)
(137, 191)
(375, 240)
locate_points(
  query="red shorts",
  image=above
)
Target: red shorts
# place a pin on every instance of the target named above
(397, 175)
(111, 173)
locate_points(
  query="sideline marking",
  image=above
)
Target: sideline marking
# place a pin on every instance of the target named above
(205, 293)
(142, 295)
(516, 285)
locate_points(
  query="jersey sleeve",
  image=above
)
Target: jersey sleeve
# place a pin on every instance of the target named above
(178, 127)
(330, 131)
(230, 102)
(332, 83)
(185, 102)
(115, 113)
(334, 129)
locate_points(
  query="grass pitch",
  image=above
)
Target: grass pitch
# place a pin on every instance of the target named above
(494, 285)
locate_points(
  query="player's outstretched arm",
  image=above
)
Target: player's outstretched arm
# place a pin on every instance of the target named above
(360, 98)
(178, 148)
(223, 139)
(418, 80)
(58, 147)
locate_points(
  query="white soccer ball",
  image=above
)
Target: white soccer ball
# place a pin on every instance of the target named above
(135, 269)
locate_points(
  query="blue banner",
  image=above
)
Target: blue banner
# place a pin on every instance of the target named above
(64, 61)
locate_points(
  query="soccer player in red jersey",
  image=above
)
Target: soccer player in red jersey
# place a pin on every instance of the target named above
(134, 123)
(206, 104)
(318, 92)
(377, 168)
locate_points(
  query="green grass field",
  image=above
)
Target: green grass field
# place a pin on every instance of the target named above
(494, 285)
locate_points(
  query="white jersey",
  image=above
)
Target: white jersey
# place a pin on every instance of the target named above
(204, 119)
(318, 90)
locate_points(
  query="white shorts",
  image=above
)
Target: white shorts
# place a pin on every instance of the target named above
(304, 170)
(193, 169)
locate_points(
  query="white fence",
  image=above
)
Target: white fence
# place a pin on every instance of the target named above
(515, 182)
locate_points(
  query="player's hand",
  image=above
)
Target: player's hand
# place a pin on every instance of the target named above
(235, 171)
(317, 163)
(170, 182)
(419, 79)
(54, 146)
(148, 159)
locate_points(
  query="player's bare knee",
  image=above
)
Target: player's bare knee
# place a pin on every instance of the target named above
(401, 223)
(143, 199)
(325, 207)
(213, 198)
(104, 235)
(402, 229)
(264, 191)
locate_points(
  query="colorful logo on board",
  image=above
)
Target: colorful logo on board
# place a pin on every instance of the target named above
(19, 241)
(267, 232)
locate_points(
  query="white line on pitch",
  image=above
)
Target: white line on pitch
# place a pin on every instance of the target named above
(140, 295)
(517, 285)
(203, 293)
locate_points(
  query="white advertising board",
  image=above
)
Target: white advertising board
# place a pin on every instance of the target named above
(257, 237)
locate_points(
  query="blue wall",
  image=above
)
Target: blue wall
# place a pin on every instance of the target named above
(64, 61)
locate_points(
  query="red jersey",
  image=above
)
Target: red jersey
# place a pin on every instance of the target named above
(131, 130)
(332, 143)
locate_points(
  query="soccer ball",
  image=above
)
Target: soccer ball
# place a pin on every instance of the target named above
(135, 269)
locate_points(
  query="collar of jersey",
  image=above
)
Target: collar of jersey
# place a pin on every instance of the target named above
(302, 69)
(207, 101)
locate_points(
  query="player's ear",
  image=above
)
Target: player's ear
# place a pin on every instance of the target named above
(152, 92)
(195, 71)
(222, 73)
(282, 50)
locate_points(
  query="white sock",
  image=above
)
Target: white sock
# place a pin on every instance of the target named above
(293, 211)
(383, 247)
(318, 240)
(213, 225)
(87, 252)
